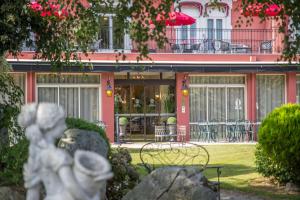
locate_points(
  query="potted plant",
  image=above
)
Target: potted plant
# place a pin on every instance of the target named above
(123, 121)
(172, 125)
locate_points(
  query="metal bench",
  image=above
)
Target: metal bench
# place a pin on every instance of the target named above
(160, 154)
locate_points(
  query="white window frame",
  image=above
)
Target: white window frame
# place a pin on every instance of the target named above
(226, 86)
(73, 85)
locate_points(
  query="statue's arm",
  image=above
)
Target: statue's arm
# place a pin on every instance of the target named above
(71, 184)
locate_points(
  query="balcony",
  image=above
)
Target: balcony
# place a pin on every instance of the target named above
(198, 41)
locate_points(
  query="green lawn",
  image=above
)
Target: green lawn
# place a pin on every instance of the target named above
(238, 172)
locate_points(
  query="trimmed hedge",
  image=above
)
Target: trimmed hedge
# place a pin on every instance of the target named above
(278, 150)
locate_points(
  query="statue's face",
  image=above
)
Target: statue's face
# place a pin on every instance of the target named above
(56, 131)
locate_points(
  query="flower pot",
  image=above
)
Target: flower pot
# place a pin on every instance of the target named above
(172, 129)
(122, 130)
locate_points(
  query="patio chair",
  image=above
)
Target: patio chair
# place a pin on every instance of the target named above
(175, 48)
(240, 130)
(160, 133)
(266, 46)
(249, 128)
(221, 46)
(181, 133)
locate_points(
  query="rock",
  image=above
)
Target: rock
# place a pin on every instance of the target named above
(7, 193)
(74, 139)
(291, 187)
(188, 184)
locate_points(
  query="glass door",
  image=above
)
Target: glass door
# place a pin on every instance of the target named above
(144, 106)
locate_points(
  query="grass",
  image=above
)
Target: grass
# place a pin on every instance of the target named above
(238, 173)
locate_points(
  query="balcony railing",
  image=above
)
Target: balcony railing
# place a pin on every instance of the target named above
(201, 41)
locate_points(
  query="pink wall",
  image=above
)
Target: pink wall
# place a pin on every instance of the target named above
(291, 82)
(251, 97)
(183, 107)
(108, 105)
(30, 79)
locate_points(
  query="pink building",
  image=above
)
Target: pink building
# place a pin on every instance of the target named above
(232, 74)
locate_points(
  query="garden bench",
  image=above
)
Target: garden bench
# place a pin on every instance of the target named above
(183, 154)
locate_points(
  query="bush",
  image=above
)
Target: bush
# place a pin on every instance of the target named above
(12, 160)
(85, 125)
(277, 153)
(171, 120)
(125, 176)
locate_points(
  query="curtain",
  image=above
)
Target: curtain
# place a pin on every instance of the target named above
(235, 104)
(216, 105)
(89, 104)
(198, 104)
(48, 94)
(270, 93)
(68, 99)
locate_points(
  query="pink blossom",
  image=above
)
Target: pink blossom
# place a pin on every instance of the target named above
(36, 6)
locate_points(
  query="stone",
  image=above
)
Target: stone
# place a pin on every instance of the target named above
(64, 177)
(7, 193)
(291, 187)
(74, 139)
(173, 183)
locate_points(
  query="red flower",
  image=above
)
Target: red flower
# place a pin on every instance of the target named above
(35, 6)
(54, 7)
(44, 14)
(273, 10)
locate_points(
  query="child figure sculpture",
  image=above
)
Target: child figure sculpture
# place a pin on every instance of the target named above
(62, 177)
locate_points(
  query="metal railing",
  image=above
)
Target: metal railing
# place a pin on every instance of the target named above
(239, 131)
(201, 41)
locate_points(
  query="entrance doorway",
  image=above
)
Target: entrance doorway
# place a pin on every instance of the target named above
(145, 102)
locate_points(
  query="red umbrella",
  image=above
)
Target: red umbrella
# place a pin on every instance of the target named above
(176, 19)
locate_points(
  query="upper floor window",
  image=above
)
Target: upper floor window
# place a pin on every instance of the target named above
(109, 37)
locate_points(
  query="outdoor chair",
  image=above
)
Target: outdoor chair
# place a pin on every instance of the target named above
(175, 48)
(181, 133)
(240, 130)
(160, 133)
(165, 154)
(249, 128)
(266, 46)
(221, 46)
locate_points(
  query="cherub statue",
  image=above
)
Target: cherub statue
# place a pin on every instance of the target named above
(63, 177)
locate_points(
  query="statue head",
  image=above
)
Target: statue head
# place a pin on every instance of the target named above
(42, 120)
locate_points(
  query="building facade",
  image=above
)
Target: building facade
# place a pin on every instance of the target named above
(232, 74)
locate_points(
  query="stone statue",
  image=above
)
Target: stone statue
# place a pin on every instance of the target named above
(63, 177)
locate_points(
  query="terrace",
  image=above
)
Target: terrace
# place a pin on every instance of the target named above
(186, 40)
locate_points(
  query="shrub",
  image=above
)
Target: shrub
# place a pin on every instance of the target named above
(171, 120)
(123, 121)
(125, 175)
(12, 160)
(277, 153)
(85, 125)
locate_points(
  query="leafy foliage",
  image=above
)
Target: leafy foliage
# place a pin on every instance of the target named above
(288, 20)
(59, 39)
(10, 101)
(12, 160)
(125, 175)
(279, 144)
